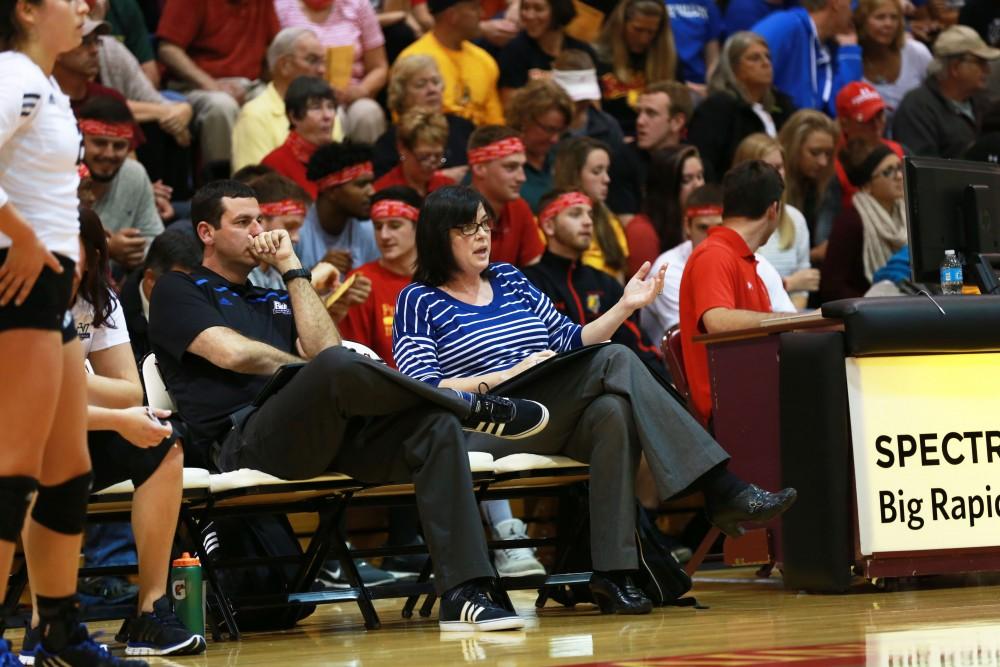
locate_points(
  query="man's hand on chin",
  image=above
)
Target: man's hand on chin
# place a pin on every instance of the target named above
(275, 248)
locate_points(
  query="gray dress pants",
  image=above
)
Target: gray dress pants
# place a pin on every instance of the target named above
(605, 408)
(346, 413)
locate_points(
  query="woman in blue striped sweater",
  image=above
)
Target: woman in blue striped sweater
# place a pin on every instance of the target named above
(469, 325)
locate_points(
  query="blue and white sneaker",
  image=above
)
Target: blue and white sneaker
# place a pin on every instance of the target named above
(471, 608)
(7, 657)
(84, 652)
(31, 642)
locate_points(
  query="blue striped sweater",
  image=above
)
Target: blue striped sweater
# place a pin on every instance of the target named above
(435, 336)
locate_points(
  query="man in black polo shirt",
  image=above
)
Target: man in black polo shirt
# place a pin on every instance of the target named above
(218, 340)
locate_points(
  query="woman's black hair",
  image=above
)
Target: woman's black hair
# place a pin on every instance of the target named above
(662, 204)
(303, 90)
(444, 209)
(563, 12)
(95, 281)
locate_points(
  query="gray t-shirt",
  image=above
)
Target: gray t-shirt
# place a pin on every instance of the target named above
(129, 202)
(120, 70)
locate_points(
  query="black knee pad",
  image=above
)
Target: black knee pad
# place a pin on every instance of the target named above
(15, 496)
(63, 507)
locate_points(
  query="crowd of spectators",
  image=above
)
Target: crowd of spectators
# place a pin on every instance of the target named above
(344, 115)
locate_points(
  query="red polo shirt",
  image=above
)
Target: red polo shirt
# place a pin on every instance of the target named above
(395, 177)
(516, 238)
(370, 323)
(721, 273)
(223, 37)
(284, 161)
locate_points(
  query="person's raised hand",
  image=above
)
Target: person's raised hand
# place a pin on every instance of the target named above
(325, 277)
(274, 248)
(643, 288)
(804, 280)
(339, 258)
(127, 247)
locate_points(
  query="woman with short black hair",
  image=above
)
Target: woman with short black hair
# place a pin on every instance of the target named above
(467, 322)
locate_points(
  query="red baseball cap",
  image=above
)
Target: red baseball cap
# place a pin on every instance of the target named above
(859, 101)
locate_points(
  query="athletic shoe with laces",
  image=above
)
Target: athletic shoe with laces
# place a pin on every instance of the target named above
(516, 562)
(333, 576)
(7, 657)
(159, 633)
(471, 608)
(31, 642)
(508, 418)
(83, 652)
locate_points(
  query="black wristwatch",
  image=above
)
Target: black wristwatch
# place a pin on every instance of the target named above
(289, 276)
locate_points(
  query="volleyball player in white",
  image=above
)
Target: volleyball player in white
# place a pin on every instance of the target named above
(43, 402)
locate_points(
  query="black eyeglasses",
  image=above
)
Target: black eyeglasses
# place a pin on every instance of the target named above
(470, 228)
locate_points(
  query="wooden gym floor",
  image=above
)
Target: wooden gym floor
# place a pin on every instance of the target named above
(749, 622)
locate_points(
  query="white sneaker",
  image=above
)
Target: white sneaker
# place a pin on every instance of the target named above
(515, 562)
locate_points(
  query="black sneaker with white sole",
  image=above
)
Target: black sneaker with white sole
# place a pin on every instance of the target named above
(83, 651)
(508, 418)
(159, 633)
(471, 608)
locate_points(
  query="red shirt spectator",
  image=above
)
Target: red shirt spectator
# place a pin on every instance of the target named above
(516, 238)
(370, 323)
(721, 273)
(395, 177)
(291, 159)
(226, 38)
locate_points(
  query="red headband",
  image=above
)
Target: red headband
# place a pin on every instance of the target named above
(346, 175)
(703, 211)
(283, 207)
(392, 208)
(495, 151)
(563, 202)
(102, 129)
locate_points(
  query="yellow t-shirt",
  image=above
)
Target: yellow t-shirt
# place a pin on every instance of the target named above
(469, 76)
(594, 256)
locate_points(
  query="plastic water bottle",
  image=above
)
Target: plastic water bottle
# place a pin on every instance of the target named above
(188, 592)
(951, 274)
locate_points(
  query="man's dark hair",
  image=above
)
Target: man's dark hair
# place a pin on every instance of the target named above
(749, 189)
(275, 187)
(105, 109)
(444, 209)
(252, 171)
(302, 91)
(402, 193)
(709, 194)
(207, 202)
(173, 248)
(336, 156)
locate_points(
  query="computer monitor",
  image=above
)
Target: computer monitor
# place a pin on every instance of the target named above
(951, 204)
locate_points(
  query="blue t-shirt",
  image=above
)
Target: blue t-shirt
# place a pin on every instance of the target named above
(358, 237)
(743, 14)
(694, 23)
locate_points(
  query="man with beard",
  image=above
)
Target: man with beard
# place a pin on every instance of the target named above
(123, 194)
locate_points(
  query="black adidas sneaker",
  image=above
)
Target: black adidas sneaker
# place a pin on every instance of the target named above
(159, 633)
(82, 652)
(470, 608)
(508, 418)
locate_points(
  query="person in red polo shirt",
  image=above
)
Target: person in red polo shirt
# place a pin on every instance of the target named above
(496, 162)
(721, 289)
(311, 110)
(861, 112)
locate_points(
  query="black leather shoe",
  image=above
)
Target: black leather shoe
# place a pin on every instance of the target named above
(752, 504)
(615, 598)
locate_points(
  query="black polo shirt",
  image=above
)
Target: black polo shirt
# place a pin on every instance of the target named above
(181, 307)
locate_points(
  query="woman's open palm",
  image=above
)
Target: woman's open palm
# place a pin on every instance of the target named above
(643, 287)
